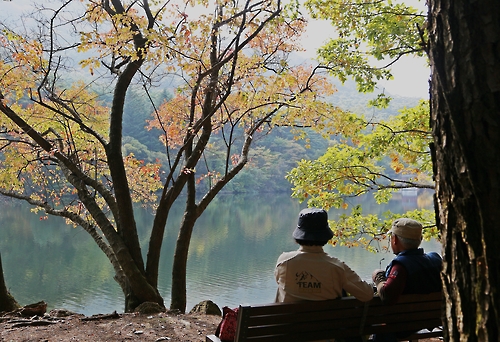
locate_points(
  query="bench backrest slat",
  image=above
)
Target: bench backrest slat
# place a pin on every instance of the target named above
(307, 316)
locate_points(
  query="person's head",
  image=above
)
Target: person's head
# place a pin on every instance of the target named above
(405, 234)
(312, 228)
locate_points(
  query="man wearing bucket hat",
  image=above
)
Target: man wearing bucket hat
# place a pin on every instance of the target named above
(412, 270)
(311, 274)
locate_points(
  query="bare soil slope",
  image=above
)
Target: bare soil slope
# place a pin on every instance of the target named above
(123, 327)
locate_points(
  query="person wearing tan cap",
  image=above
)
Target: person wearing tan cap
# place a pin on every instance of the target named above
(412, 270)
(309, 273)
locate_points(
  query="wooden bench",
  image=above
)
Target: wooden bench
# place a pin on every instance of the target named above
(340, 318)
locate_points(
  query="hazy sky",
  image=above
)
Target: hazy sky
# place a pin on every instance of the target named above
(411, 74)
(411, 78)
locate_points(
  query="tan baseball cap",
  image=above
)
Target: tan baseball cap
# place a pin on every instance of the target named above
(407, 228)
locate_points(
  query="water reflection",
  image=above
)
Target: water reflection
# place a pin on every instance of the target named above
(233, 251)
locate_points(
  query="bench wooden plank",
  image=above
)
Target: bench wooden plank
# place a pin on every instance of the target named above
(308, 316)
(346, 317)
(293, 329)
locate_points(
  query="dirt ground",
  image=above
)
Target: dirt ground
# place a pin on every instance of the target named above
(125, 327)
(114, 327)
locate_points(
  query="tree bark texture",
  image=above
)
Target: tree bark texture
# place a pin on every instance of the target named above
(464, 38)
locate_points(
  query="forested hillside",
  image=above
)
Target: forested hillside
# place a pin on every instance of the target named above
(275, 155)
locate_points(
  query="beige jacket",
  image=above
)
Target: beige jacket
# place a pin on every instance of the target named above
(311, 274)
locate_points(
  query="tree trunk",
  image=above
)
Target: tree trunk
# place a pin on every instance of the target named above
(465, 121)
(179, 270)
(7, 302)
(137, 289)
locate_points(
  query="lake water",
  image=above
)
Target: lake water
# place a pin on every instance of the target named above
(233, 251)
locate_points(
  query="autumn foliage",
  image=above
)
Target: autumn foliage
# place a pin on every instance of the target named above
(229, 69)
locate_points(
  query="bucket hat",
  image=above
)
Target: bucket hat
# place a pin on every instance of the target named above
(313, 225)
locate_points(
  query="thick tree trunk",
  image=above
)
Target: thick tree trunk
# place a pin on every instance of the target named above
(7, 302)
(465, 120)
(138, 290)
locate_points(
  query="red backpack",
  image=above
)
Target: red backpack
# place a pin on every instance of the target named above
(226, 330)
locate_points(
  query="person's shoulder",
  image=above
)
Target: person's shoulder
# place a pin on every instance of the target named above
(287, 256)
(435, 255)
(336, 261)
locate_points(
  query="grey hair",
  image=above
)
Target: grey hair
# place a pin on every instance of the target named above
(409, 243)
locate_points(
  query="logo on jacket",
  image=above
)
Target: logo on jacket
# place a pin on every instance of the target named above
(307, 282)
